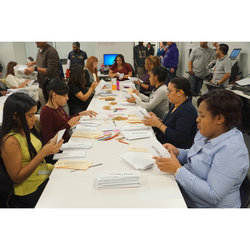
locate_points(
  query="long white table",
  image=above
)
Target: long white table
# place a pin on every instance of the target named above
(67, 189)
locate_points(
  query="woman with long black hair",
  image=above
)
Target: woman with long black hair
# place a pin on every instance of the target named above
(22, 151)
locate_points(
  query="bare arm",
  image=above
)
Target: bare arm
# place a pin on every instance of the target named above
(12, 157)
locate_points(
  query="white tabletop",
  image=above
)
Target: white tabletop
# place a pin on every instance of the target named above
(77, 189)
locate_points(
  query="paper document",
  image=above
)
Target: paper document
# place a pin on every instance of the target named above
(99, 87)
(83, 134)
(244, 82)
(90, 123)
(118, 180)
(72, 164)
(133, 79)
(69, 154)
(58, 136)
(71, 145)
(139, 160)
(159, 150)
(142, 112)
(136, 97)
(133, 135)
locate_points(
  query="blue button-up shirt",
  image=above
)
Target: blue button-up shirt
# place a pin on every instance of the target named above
(213, 170)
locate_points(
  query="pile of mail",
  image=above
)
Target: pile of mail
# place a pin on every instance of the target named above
(118, 180)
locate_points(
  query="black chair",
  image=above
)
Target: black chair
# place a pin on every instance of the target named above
(133, 71)
(6, 186)
(245, 193)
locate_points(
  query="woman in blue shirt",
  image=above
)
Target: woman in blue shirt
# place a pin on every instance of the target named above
(211, 172)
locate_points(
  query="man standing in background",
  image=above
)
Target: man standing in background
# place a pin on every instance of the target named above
(223, 66)
(139, 55)
(47, 66)
(77, 56)
(199, 59)
(170, 60)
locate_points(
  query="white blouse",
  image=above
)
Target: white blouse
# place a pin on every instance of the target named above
(12, 81)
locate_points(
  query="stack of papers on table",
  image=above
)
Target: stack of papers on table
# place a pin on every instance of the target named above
(135, 127)
(90, 123)
(132, 135)
(73, 145)
(118, 180)
(127, 104)
(69, 154)
(139, 160)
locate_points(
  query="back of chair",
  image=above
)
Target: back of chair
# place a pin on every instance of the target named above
(133, 71)
(6, 185)
(245, 193)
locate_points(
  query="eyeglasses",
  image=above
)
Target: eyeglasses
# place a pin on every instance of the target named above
(169, 91)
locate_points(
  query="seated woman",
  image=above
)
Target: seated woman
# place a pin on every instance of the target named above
(91, 71)
(22, 151)
(145, 86)
(211, 172)
(178, 127)
(53, 117)
(157, 102)
(11, 80)
(120, 69)
(79, 95)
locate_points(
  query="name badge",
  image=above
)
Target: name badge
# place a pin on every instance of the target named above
(43, 172)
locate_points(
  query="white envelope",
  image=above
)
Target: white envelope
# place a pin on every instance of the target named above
(139, 160)
(159, 150)
(58, 136)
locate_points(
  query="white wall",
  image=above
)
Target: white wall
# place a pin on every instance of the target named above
(11, 51)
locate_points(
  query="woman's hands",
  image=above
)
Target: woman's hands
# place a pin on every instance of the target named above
(74, 121)
(90, 113)
(51, 148)
(172, 148)
(169, 165)
(94, 85)
(152, 121)
(131, 99)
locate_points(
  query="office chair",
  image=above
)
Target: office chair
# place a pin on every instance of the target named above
(133, 71)
(6, 186)
(245, 193)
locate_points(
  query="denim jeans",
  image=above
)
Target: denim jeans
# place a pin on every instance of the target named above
(170, 75)
(196, 84)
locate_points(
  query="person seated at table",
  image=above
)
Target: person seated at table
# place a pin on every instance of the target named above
(91, 71)
(178, 127)
(53, 118)
(22, 151)
(79, 95)
(11, 80)
(211, 172)
(145, 86)
(157, 102)
(120, 67)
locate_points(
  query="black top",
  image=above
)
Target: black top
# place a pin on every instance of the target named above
(181, 126)
(73, 100)
(151, 51)
(77, 57)
(1, 68)
(140, 54)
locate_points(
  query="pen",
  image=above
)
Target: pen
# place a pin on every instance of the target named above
(95, 165)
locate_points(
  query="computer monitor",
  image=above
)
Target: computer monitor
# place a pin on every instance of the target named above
(234, 53)
(109, 59)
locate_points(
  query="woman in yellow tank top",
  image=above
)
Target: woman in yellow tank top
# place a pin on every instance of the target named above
(22, 151)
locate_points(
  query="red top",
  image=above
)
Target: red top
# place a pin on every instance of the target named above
(53, 120)
(125, 69)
